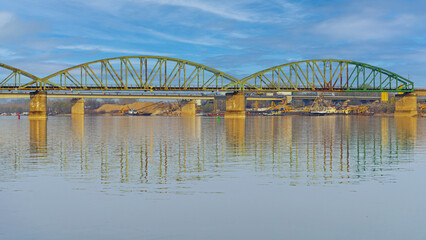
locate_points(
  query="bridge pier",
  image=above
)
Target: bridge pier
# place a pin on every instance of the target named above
(235, 105)
(38, 103)
(77, 108)
(406, 105)
(384, 97)
(188, 110)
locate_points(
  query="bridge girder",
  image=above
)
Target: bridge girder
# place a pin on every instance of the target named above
(327, 75)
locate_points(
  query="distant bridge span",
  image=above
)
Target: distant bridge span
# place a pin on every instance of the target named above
(151, 73)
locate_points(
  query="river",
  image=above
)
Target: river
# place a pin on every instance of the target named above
(290, 177)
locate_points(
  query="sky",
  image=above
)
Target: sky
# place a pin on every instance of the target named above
(238, 37)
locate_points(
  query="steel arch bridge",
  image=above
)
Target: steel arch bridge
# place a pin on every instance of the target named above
(327, 75)
(145, 73)
(151, 73)
(14, 78)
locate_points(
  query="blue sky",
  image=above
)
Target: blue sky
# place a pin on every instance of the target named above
(239, 37)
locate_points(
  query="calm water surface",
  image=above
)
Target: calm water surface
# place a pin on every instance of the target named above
(292, 177)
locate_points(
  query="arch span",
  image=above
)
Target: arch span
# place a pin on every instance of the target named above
(326, 75)
(12, 78)
(142, 73)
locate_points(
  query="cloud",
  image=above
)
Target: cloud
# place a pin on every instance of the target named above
(110, 50)
(206, 41)
(11, 27)
(5, 18)
(364, 27)
(236, 36)
(251, 11)
(417, 55)
(219, 9)
(6, 53)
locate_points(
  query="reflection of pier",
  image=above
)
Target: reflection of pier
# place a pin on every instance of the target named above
(77, 125)
(326, 147)
(38, 137)
(406, 128)
(191, 126)
(235, 132)
(333, 149)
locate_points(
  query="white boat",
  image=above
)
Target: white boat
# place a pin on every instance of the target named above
(318, 113)
(132, 112)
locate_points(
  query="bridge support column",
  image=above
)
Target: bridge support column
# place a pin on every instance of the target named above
(188, 110)
(235, 105)
(77, 108)
(384, 97)
(38, 104)
(406, 105)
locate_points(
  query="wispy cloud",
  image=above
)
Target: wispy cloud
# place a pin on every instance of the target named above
(220, 9)
(418, 55)
(206, 41)
(105, 49)
(12, 27)
(254, 11)
(365, 26)
(6, 53)
(251, 11)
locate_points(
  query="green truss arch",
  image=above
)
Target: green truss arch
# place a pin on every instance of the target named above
(146, 73)
(327, 75)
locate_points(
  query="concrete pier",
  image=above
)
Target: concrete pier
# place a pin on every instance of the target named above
(188, 110)
(384, 97)
(406, 105)
(235, 105)
(38, 104)
(77, 108)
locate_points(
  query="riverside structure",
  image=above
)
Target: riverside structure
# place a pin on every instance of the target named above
(147, 74)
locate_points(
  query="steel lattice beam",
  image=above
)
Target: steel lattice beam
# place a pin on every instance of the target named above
(327, 75)
(143, 73)
(150, 73)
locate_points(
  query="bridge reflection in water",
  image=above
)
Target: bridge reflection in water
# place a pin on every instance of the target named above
(38, 138)
(158, 151)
